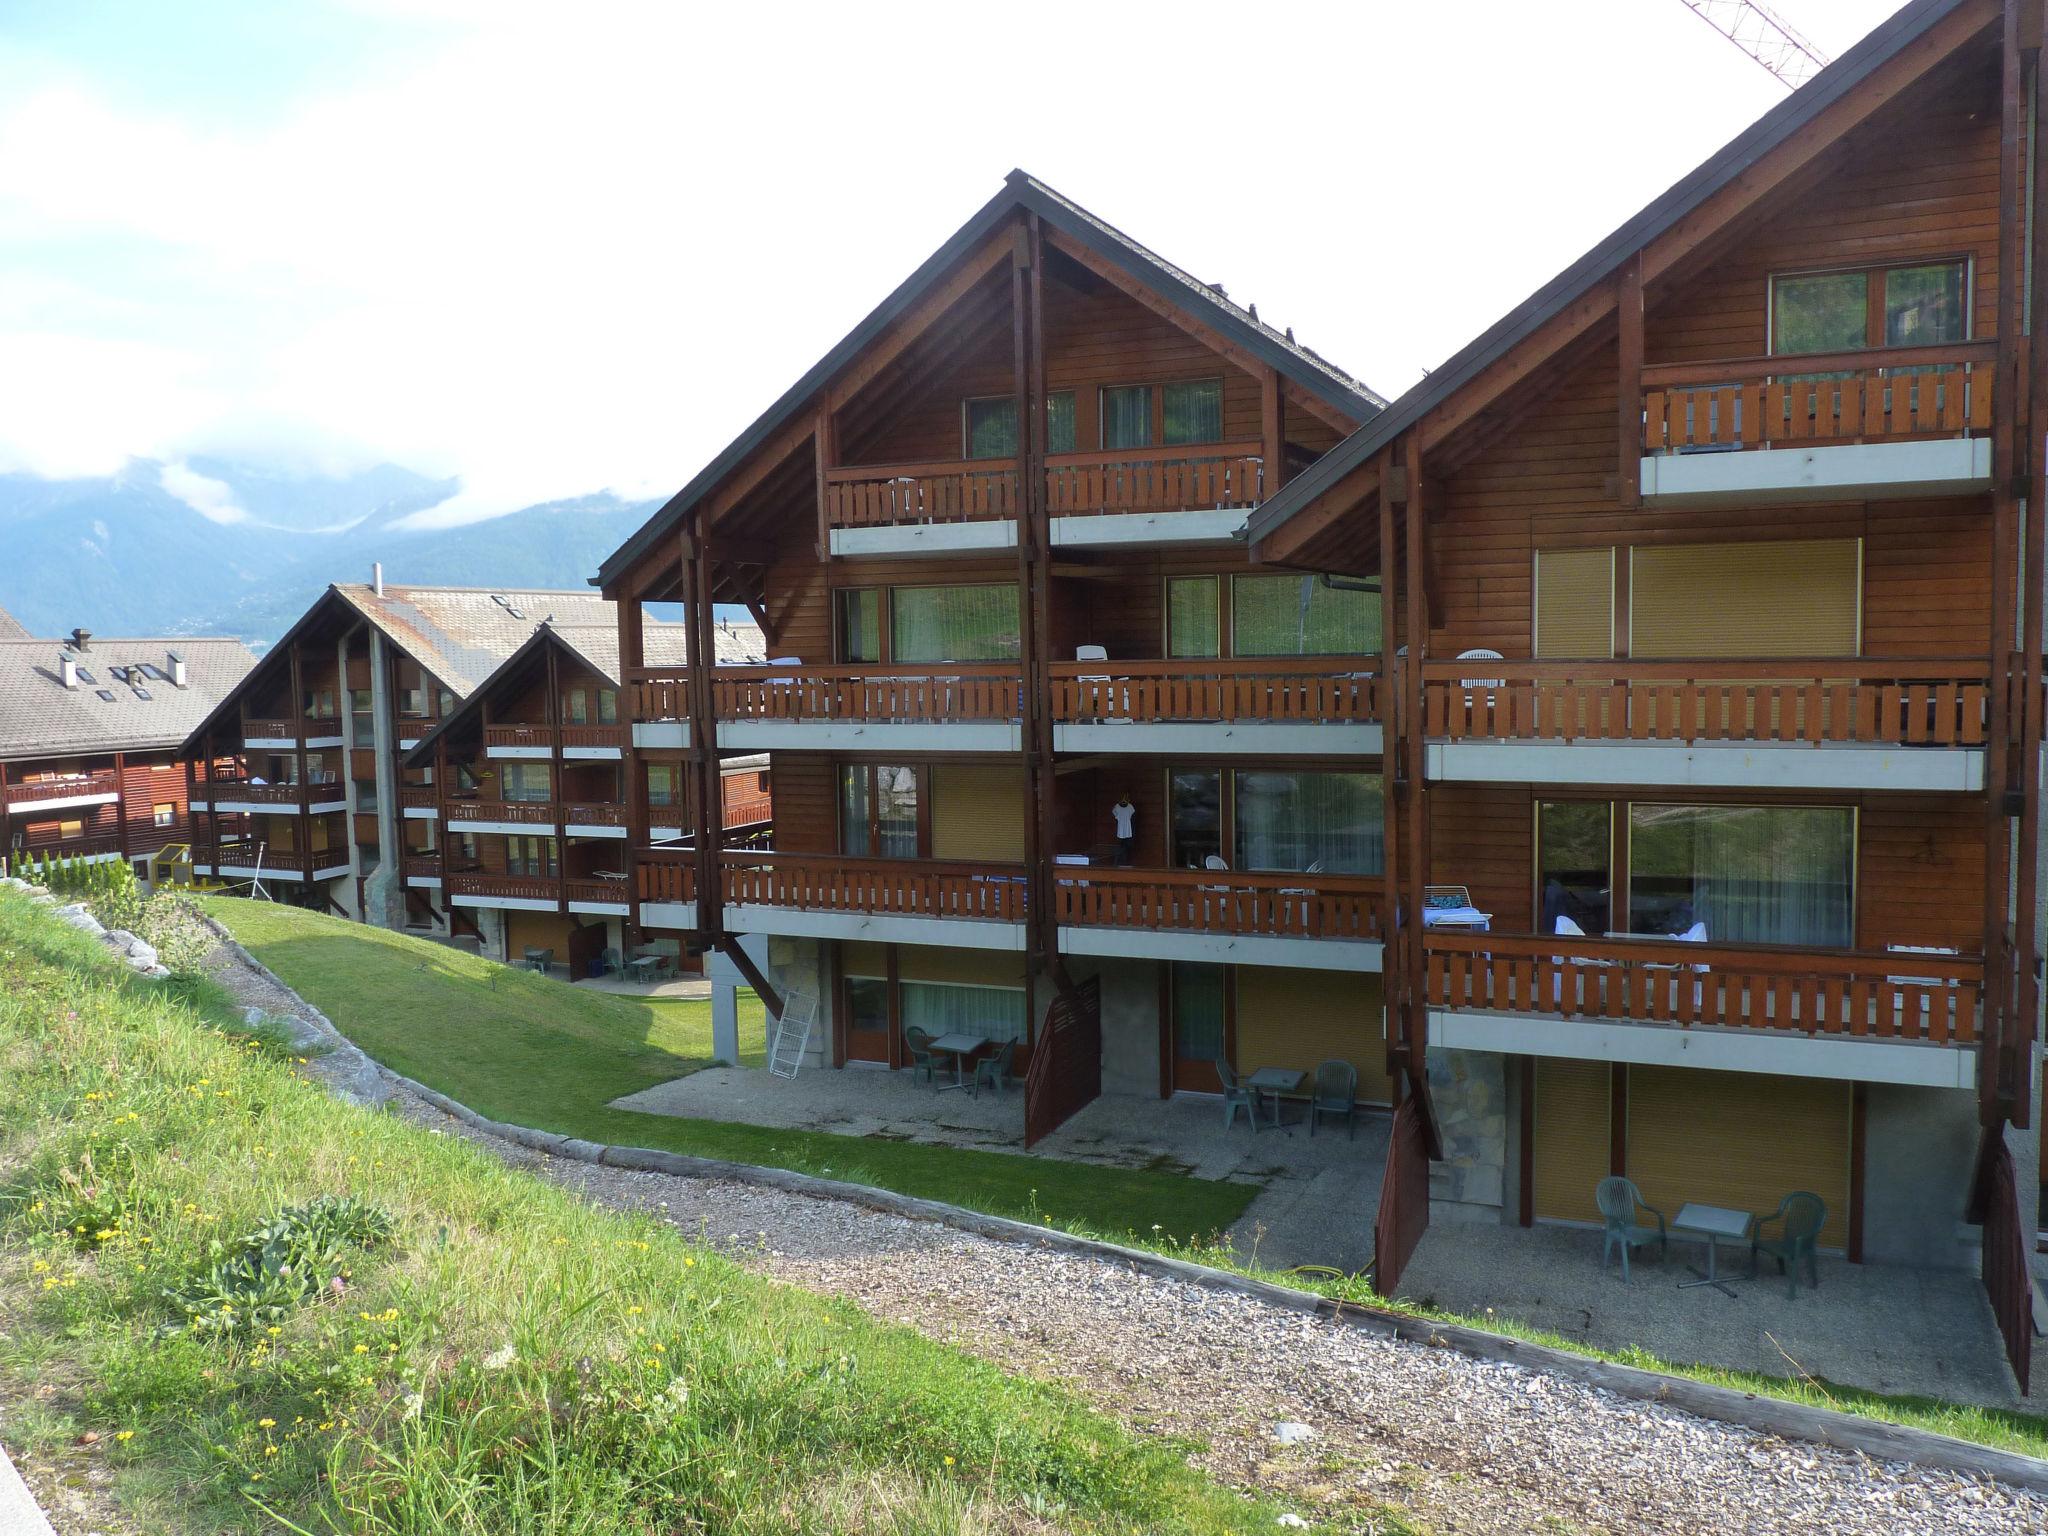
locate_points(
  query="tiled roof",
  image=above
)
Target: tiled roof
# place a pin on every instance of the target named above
(739, 645)
(40, 717)
(12, 628)
(462, 634)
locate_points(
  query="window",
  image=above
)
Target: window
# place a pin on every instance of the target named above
(867, 1003)
(576, 708)
(878, 810)
(533, 856)
(1194, 616)
(1823, 312)
(950, 1008)
(1574, 859)
(990, 425)
(524, 782)
(1332, 822)
(1195, 812)
(1197, 1012)
(664, 783)
(607, 706)
(582, 700)
(320, 703)
(859, 623)
(1300, 616)
(1912, 306)
(954, 624)
(359, 703)
(1192, 412)
(1751, 874)
(1127, 416)
(163, 814)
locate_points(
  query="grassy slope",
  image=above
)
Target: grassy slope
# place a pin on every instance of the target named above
(543, 1053)
(651, 1386)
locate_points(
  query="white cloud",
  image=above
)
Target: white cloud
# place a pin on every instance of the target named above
(212, 499)
(553, 257)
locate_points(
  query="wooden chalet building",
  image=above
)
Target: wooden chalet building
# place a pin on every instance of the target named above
(1711, 685)
(520, 836)
(987, 627)
(91, 732)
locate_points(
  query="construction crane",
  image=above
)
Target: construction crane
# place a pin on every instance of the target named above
(1765, 36)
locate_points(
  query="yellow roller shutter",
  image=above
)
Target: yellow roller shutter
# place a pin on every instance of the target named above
(1571, 1140)
(1738, 1139)
(966, 967)
(978, 813)
(858, 959)
(1574, 603)
(1289, 1018)
(1791, 597)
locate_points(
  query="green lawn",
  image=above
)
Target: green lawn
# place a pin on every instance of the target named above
(544, 1053)
(458, 1349)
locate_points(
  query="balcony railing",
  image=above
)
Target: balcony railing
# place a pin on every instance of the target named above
(915, 691)
(418, 797)
(1175, 479)
(899, 887)
(1875, 995)
(425, 865)
(518, 887)
(1941, 702)
(1294, 688)
(579, 815)
(667, 877)
(525, 813)
(658, 693)
(595, 888)
(286, 729)
(749, 809)
(268, 794)
(542, 735)
(35, 791)
(1298, 906)
(1746, 403)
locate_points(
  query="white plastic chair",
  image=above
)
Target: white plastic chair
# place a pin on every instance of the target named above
(1098, 653)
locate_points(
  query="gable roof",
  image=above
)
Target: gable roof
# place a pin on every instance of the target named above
(41, 718)
(739, 643)
(1300, 364)
(1776, 127)
(12, 628)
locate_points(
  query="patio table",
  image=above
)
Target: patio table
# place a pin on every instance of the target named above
(645, 967)
(960, 1048)
(1277, 1081)
(1713, 1222)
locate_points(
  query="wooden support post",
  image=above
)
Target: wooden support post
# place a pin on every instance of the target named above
(2034, 588)
(1416, 593)
(1392, 773)
(703, 749)
(7, 859)
(825, 445)
(632, 658)
(743, 962)
(1629, 383)
(555, 795)
(302, 841)
(121, 803)
(1272, 431)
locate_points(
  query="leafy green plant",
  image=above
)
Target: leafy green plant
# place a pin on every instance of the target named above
(260, 1277)
(174, 926)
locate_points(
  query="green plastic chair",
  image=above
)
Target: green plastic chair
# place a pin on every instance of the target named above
(1236, 1096)
(994, 1071)
(1336, 1094)
(1800, 1216)
(919, 1044)
(614, 964)
(1619, 1200)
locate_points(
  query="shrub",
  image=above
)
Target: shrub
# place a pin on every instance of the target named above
(174, 926)
(256, 1280)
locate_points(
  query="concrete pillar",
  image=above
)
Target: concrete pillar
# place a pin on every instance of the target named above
(384, 887)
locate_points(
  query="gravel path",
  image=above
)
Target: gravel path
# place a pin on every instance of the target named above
(1464, 1445)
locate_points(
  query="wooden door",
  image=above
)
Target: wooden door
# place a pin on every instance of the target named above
(1198, 1009)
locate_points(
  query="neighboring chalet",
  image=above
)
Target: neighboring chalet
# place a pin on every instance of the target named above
(522, 834)
(1711, 687)
(321, 727)
(91, 732)
(994, 542)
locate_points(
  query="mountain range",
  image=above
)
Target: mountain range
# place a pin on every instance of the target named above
(125, 554)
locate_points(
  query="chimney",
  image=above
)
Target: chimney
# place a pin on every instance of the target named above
(177, 670)
(377, 577)
(67, 669)
(79, 637)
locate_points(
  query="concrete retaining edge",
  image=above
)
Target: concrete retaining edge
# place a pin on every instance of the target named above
(1768, 1415)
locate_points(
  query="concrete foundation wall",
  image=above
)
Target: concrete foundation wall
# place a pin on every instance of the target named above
(1470, 1089)
(1920, 1151)
(800, 965)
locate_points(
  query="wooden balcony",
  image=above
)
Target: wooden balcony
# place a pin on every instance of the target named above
(1933, 703)
(523, 813)
(419, 798)
(511, 887)
(911, 693)
(306, 728)
(1862, 995)
(286, 795)
(1319, 689)
(657, 693)
(425, 866)
(748, 810)
(542, 736)
(1747, 403)
(886, 887)
(577, 814)
(1294, 906)
(1204, 477)
(36, 792)
(667, 877)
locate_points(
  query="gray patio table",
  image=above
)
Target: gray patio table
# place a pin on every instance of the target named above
(959, 1047)
(644, 966)
(1277, 1081)
(1713, 1222)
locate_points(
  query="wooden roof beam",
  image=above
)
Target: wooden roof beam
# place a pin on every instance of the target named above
(1288, 541)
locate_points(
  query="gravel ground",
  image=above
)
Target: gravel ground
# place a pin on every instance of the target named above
(1463, 1445)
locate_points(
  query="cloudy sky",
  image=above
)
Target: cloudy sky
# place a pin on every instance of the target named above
(558, 248)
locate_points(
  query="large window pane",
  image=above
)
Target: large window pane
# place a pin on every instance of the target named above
(1197, 1011)
(1299, 616)
(1127, 417)
(1574, 853)
(1059, 422)
(860, 624)
(663, 783)
(1193, 624)
(1821, 312)
(1330, 822)
(896, 812)
(945, 1008)
(523, 781)
(955, 623)
(1193, 411)
(1197, 816)
(992, 428)
(867, 1003)
(1924, 306)
(1750, 873)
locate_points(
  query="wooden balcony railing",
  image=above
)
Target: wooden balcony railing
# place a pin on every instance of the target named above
(748, 810)
(1292, 688)
(902, 887)
(916, 691)
(1220, 901)
(595, 888)
(418, 797)
(667, 877)
(658, 693)
(269, 794)
(35, 791)
(524, 887)
(1190, 477)
(1876, 995)
(594, 815)
(1746, 403)
(543, 735)
(525, 813)
(1942, 702)
(286, 729)
(427, 865)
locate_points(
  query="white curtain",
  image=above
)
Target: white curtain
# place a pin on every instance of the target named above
(1755, 874)
(943, 1008)
(1299, 616)
(955, 623)
(1289, 821)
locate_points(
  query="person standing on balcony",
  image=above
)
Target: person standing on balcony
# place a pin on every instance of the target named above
(1125, 815)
